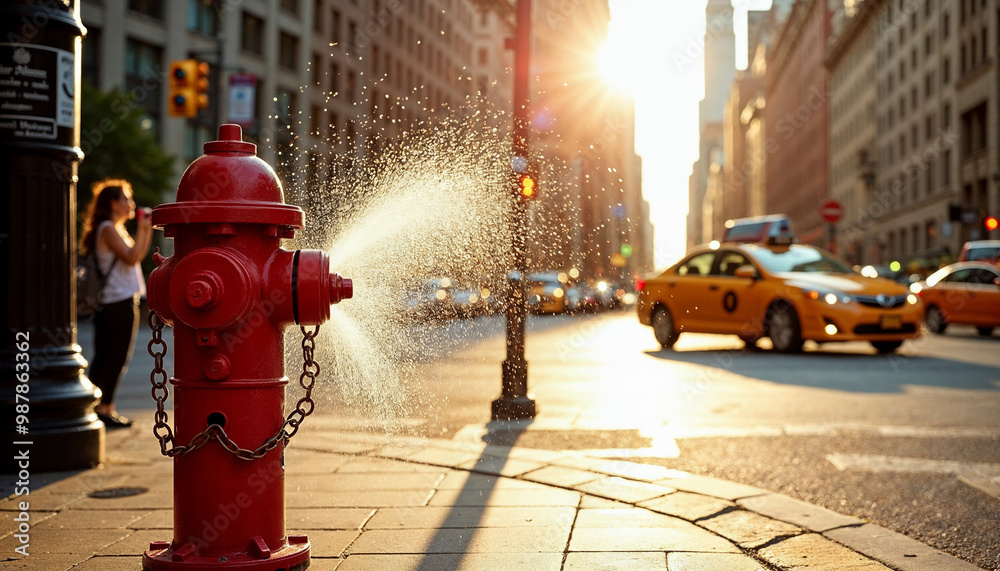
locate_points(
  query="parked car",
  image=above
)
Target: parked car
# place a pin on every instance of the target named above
(980, 251)
(757, 228)
(964, 292)
(433, 299)
(789, 293)
(547, 292)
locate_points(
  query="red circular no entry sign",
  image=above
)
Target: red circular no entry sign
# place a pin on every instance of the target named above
(831, 210)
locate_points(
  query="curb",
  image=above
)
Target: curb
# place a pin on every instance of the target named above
(783, 532)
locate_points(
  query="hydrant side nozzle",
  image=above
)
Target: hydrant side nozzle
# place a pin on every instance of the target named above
(157, 258)
(340, 288)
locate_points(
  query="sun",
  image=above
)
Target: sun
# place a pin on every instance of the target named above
(618, 64)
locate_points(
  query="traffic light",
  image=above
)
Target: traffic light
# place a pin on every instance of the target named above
(991, 223)
(527, 186)
(201, 85)
(182, 96)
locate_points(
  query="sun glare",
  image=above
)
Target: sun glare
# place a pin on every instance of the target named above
(619, 68)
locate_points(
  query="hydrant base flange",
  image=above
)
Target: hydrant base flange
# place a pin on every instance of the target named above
(294, 556)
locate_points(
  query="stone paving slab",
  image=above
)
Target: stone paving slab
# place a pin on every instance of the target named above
(509, 467)
(813, 552)
(327, 518)
(73, 519)
(714, 487)
(561, 477)
(713, 561)
(525, 518)
(797, 512)
(511, 498)
(481, 540)
(615, 488)
(611, 518)
(358, 498)
(328, 543)
(897, 549)
(748, 529)
(651, 561)
(679, 538)
(456, 562)
(687, 505)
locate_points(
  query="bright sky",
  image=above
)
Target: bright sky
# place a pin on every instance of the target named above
(657, 55)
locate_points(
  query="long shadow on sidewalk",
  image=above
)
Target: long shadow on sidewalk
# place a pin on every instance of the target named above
(472, 495)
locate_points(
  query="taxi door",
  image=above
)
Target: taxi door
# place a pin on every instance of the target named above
(732, 301)
(983, 305)
(688, 290)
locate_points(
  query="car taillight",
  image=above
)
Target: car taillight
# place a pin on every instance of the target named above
(640, 284)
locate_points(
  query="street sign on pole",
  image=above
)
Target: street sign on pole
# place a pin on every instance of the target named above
(831, 210)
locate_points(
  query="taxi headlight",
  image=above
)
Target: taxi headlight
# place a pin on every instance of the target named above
(830, 297)
(912, 299)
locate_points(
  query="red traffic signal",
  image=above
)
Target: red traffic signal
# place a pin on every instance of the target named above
(527, 186)
(991, 223)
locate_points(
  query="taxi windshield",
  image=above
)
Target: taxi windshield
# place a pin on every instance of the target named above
(800, 259)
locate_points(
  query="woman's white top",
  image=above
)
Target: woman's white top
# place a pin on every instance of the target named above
(124, 281)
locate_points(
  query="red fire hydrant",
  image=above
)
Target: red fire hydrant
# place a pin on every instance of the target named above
(229, 291)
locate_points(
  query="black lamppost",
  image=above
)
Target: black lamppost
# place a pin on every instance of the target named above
(514, 402)
(47, 402)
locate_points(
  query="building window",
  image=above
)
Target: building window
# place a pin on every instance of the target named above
(288, 51)
(151, 8)
(484, 56)
(284, 105)
(143, 70)
(974, 130)
(91, 58)
(290, 6)
(946, 71)
(317, 59)
(201, 17)
(253, 34)
(946, 168)
(335, 27)
(318, 16)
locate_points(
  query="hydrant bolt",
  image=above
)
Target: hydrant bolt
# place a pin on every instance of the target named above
(200, 293)
(217, 368)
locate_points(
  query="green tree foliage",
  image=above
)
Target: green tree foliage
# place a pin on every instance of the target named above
(116, 146)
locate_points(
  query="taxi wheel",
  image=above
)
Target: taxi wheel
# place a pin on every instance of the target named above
(783, 328)
(663, 327)
(884, 347)
(934, 320)
(985, 331)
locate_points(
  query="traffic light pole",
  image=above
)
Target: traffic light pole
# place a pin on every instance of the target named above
(514, 402)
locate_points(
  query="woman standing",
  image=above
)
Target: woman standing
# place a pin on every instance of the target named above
(118, 256)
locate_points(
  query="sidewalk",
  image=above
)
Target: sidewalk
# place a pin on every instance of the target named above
(368, 502)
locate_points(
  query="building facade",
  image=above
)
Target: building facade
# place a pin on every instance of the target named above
(337, 81)
(851, 62)
(797, 118)
(720, 70)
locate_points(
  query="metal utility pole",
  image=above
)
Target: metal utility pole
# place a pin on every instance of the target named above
(47, 403)
(514, 402)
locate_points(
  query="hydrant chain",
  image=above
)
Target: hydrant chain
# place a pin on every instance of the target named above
(161, 427)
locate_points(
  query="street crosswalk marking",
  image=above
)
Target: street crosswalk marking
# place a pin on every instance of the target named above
(979, 475)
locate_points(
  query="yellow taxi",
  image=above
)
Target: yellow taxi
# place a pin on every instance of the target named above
(787, 292)
(965, 292)
(546, 292)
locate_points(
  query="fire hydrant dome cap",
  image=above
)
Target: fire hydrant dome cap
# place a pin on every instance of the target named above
(229, 184)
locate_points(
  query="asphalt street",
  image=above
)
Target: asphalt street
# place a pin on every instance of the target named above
(908, 441)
